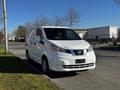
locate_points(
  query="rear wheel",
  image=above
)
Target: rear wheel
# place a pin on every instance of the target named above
(45, 66)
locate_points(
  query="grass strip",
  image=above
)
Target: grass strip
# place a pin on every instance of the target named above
(16, 75)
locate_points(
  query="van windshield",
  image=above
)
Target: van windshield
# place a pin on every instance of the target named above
(61, 34)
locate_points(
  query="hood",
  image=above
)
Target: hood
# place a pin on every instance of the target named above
(71, 44)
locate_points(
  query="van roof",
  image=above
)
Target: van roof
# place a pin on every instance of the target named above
(55, 27)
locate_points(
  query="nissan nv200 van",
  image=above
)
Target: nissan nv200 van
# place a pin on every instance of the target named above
(59, 48)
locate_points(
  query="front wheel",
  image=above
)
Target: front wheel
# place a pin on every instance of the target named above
(28, 57)
(45, 66)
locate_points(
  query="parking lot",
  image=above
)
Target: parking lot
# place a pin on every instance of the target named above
(104, 77)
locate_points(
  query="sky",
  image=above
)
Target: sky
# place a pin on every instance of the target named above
(93, 13)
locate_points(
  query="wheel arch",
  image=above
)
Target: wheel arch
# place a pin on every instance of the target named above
(44, 57)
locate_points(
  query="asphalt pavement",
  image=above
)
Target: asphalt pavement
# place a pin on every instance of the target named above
(106, 75)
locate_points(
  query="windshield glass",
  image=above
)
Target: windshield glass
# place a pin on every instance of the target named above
(61, 34)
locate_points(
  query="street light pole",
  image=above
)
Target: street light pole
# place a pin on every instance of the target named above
(5, 25)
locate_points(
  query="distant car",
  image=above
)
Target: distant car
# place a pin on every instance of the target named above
(59, 49)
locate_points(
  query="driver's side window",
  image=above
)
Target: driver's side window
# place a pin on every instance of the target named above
(39, 35)
(38, 32)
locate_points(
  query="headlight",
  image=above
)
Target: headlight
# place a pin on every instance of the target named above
(58, 49)
(90, 49)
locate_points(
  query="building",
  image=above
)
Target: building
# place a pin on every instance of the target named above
(11, 37)
(102, 33)
(119, 33)
(81, 32)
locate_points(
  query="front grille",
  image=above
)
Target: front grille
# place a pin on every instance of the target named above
(78, 66)
(78, 52)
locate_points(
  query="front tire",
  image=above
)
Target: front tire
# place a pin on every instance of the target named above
(45, 66)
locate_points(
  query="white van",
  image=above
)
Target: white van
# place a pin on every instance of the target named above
(59, 49)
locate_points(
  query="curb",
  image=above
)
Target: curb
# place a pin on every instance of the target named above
(36, 70)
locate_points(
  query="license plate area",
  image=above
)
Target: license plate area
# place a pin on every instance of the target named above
(79, 61)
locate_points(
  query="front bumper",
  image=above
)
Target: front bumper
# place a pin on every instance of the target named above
(66, 62)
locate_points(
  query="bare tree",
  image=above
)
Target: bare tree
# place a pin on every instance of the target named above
(40, 21)
(72, 17)
(36, 23)
(59, 21)
(29, 26)
(20, 33)
(117, 1)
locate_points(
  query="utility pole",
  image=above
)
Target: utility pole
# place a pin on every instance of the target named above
(5, 25)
